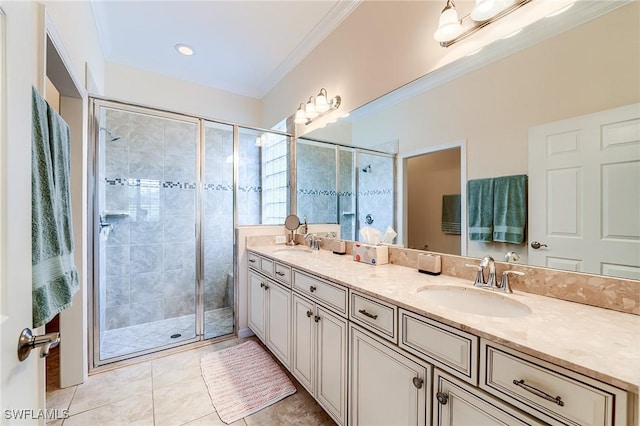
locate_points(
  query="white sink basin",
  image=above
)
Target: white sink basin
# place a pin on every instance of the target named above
(474, 301)
(293, 250)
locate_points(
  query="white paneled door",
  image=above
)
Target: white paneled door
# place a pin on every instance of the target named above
(584, 172)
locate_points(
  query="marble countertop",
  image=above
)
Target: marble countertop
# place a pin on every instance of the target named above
(599, 343)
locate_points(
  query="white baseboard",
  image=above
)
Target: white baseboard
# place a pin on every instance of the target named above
(245, 332)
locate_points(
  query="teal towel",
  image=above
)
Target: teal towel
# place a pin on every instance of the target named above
(480, 206)
(451, 214)
(510, 208)
(54, 275)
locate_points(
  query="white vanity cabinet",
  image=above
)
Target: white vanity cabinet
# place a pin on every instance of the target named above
(456, 403)
(388, 386)
(270, 315)
(550, 392)
(319, 359)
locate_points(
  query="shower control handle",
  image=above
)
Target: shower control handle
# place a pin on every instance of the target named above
(312, 288)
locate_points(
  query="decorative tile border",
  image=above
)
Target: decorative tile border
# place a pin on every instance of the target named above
(375, 192)
(179, 185)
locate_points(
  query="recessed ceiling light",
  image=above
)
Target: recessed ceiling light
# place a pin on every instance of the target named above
(184, 49)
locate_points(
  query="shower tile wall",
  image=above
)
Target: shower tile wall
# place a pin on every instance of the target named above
(375, 191)
(150, 199)
(316, 180)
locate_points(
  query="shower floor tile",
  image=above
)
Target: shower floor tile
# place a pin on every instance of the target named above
(128, 340)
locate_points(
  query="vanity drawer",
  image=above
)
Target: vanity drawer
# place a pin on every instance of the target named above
(548, 391)
(331, 295)
(266, 266)
(453, 350)
(254, 261)
(283, 273)
(375, 315)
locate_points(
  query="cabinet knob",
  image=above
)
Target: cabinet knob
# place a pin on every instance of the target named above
(266, 287)
(316, 318)
(312, 288)
(442, 398)
(280, 273)
(261, 284)
(417, 382)
(309, 313)
(252, 260)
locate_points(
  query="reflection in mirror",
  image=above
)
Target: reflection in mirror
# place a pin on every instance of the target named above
(338, 184)
(581, 70)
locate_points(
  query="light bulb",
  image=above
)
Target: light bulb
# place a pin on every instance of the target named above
(486, 9)
(300, 117)
(310, 109)
(449, 26)
(321, 104)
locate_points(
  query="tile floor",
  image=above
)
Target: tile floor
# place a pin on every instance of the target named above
(168, 391)
(127, 340)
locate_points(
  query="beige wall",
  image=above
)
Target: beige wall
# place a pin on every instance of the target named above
(590, 68)
(73, 21)
(144, 88)
(429, 177)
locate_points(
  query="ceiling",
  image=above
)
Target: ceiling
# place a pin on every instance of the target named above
(244, 47)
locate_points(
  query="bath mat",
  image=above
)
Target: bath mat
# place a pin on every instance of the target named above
(243, 379)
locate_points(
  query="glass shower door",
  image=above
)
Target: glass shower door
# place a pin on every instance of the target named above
(146, 242)
(217, 234)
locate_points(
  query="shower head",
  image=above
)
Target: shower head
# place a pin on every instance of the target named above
(367, 168)
(112, 136)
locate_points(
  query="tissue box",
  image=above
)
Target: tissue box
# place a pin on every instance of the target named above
(373, 255)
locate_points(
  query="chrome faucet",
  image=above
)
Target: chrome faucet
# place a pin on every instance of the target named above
(504, 281)
(488, 261)
(314, 242)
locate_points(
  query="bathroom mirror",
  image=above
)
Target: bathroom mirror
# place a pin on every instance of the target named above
(491, 108)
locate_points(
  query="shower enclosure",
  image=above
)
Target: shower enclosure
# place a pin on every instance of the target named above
(169, 191)
(348, 186)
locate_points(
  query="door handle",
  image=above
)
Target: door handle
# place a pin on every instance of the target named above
(536, 245)
(28, 341)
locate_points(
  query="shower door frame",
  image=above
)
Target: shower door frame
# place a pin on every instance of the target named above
(95, 364)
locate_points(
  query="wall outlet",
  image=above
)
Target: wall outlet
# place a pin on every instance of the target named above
(281, 239)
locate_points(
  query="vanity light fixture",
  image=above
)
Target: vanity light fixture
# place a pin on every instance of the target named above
(316, 107)
(451, 29)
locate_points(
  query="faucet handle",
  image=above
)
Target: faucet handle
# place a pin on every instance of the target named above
(479, 282)
(504, 280)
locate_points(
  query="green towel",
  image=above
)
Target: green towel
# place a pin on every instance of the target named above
(54, 276)
(480, 206)
(510, 208)
(451, 214)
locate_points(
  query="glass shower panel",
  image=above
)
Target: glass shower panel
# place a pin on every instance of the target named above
(146, 183)
(251, 143)
(376, 206)
(218, 293)
(346, 194)
(317, 182)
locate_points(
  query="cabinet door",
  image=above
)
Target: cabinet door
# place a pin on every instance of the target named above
(388, 387)
(458, 404)
(257, 304)
(278, 327)
(331, 361)
(303, 358)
